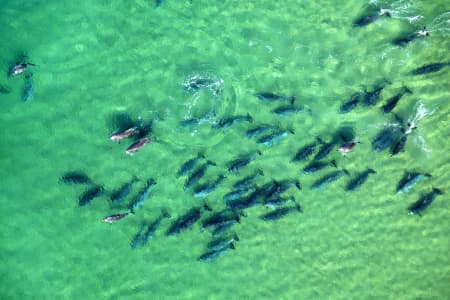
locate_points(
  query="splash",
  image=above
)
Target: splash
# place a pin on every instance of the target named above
(414, 19)
(420, 112)
(198, 82)
(394, 125)
(197, 114)
(402, 9)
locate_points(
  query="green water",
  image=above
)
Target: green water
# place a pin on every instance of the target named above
(98, 61)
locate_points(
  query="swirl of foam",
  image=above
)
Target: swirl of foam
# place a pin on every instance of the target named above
(206, 95)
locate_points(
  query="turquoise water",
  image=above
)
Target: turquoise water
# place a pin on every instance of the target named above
(98, 62)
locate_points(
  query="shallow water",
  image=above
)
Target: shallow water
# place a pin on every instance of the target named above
(97, 63)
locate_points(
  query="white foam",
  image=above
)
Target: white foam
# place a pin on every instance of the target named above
(421, 112)
(414, 19)
(402, 9)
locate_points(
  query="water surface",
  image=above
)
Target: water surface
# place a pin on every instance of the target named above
(98, 62)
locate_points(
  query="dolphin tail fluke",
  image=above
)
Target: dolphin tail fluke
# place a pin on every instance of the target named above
(260, 172)
(407, 90)
(387, 81)
(211, 163)
(333, 163)
(207, 207)
(165, 213)
(438, 191)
